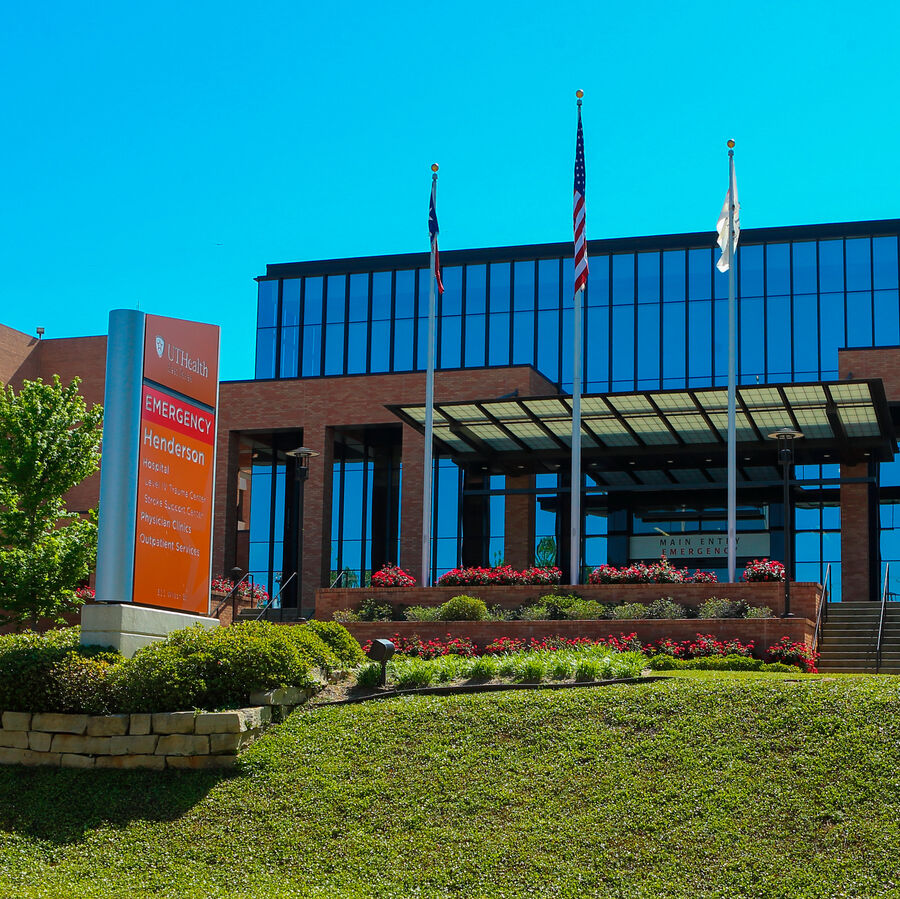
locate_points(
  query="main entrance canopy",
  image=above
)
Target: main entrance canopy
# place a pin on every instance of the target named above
(842, 421)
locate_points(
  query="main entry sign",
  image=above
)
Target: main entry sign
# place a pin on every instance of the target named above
(157, 470)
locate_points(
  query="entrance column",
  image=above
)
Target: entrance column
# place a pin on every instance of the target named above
(859, 565)
(411, 486)
(518, 531)
(316, 561)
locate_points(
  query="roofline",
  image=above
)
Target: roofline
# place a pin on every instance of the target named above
(691, 240)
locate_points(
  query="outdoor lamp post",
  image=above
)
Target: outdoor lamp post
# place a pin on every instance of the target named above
(302, 454)
(786, 438)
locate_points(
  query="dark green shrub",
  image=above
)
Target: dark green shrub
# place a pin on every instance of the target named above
(781, 667)
(81, 684)
(629, 611)
(558, 604)
(666, 607)
(663, 663)
(415, 673)
(313, 650)
(422, 613)
(721, 608)
(463, 608)
(759, 612)
(536, 612)
(369, 675)
(587, 610)
(707, 663)
(370, 609)
(340, 641)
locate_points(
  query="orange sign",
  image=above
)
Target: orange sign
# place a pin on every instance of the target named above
(174, 507)
(183, 356)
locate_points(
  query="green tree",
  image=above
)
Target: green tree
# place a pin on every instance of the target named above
(49, 442)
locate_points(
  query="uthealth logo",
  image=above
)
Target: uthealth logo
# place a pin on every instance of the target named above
(160, 346)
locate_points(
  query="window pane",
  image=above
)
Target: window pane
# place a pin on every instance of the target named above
(831, 265)
(381, 296)
(720, 340)
(673, 341)
(548, 344)
(312, 350)
(700, 358)
(381, 345)
(403, 344)
(831, 328)
(752, 328)
(885, 263)
(266, 315)
(474, 341)
(290, 302)
(290, 348)
(357, 334)
(598, 281)
(623, 347)
(500, 287)
(312, 301)
(887, 328)
(673, 275)
(806, 330)
(475, 287)
(778, 270)
(265, 352)
(778, 338)
(596, 359)
(524, 286)
(451, 341)
(523, 338)
(804, 261)
(648, 342)
(548, 284)
(334, 349)
(451, 298)
(648, 277)
(623, 278)
(499, 337)
(700, 273)
(334, 302)
(750, 269)
(359, 298)
(859, 270)
(405, 295)
(859, 323)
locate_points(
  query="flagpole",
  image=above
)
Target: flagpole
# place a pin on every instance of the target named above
(428, 477)
(575, 476)
(732, 366)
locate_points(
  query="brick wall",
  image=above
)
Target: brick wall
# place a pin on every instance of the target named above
(805, 597)
(762, 631)
(16, 352)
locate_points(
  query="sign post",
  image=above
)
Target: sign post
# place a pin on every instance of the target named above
(154, 551)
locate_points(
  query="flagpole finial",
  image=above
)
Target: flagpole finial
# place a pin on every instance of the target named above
(579, 93)
(434, 167)
(730, 144)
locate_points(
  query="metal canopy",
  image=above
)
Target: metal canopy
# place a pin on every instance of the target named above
(842, 421)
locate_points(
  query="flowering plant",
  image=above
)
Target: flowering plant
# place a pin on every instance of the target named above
(794, 653)
(85, 593)
(259, 594)
(392, 576)
(430, 649)
(703, 646)
(763, 570)
(704, 577)
(660, 572)
(501, 575)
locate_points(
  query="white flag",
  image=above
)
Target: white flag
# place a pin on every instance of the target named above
(722, 227)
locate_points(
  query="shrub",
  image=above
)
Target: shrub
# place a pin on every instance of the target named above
(536, 612)
(368, 675)
(781, 667)
(791, 653)
(340, 641)
(392, 576)
(629, 611)
(758, 612)
(463, 608)
(707, 663)
(530, 667)
(414, 673)
(666, 608)
(763, 570)
(81, 684)
(589, 669)
(370, 609)
(422, 613)
(344, 616)
(482, 668)
(721, 608)
(587, 610)
(557, 604)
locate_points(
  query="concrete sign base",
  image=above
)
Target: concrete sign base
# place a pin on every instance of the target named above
(128, 627)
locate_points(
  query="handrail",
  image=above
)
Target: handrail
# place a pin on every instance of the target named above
(232, 595)
(822, 614)
(884, 596)
(340, 577)
(271, 603)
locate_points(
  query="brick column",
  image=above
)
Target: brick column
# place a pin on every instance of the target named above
(518, 537)
(856, 564)
(411, 485)
(225, 492)
(316, 560)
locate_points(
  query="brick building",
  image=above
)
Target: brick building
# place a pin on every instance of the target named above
(340, 360)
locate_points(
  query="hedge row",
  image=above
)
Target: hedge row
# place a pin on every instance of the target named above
(191, 668)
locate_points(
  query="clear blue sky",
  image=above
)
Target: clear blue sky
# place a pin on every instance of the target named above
(162, 154)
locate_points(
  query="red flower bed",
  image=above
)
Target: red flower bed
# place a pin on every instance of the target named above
(763, 570)
(392, 576)
(791, 653)
(430, 649)
(502, 575)
(226, 585)
(660, 572)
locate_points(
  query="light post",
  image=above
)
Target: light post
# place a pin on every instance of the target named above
(302, 455)
(786, 438)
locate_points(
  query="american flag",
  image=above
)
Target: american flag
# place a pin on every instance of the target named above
(433, 230)
(581, 263)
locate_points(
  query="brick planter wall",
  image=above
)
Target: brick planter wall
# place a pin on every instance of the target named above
(156, 741)
(762, 631)
(805, 597)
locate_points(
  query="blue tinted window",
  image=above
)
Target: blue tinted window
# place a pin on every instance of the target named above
(357, 334)
(674, 342)
(499, 338)
(475, 325)
(500, 287)
(859, 322)
(805, 272)
(778, 269)
(265, 352)
(451, 341)
(778, 338)
(475, 288)
(381, 346)
(831, 328)
(623, 279)
(700, 273)
(335, 298)
(312, 301)
(750, 269)
(381, 296)
(403, 344)
(523, 338)
(751, 345)
(887, 327)
(548, 284)
(334, 349)
(720, 341)
(290, 302)
(885, 262)
(451, 298)
(648, 277)
(596, 359)
(673, 275)
(598, 281)
(623, 347)
(831, 265)
(312, 350)
(359, 298)
(648, 344)
(422, 344)
(859, 264)
(699, 343)
(806, 329)
(548, 344)
(523, 282)
(405, 295)
(267, 311)
(290, 349)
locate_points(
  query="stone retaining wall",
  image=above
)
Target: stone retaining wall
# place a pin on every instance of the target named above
(156, 741)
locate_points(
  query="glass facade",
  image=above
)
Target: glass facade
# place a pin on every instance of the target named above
(656, 317)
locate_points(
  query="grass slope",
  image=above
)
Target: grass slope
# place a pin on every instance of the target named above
(698, 786)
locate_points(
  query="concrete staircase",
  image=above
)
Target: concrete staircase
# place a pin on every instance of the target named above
(850, 634)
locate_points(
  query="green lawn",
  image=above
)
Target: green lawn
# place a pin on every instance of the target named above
(696, 786)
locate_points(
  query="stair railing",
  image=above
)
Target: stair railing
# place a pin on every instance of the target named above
(884, 596)
(271, 603)
(822, 614)
(232, 597)
(339, 578)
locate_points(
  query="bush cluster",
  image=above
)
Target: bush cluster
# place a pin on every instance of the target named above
(191, 668)
(718, 663)
(500, 575)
